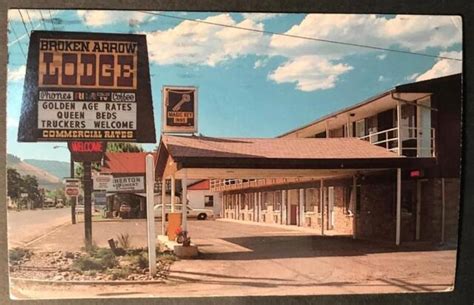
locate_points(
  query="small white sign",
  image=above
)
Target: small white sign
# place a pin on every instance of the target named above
(119, 184)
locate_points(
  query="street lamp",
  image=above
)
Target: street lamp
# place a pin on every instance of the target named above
(73, 204)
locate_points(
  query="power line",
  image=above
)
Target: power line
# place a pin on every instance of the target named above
(51, 19)
(29, 18)
(42, 20)
(23, 21)
(302, 37)
(19, 42)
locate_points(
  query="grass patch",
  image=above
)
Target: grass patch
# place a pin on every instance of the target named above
(99, 259)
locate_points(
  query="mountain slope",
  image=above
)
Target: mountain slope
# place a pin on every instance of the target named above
(45, 179)
(56, 168)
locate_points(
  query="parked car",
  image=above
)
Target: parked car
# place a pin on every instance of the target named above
(200, 214)
(124, 210)
(59, 205)
(48, 203)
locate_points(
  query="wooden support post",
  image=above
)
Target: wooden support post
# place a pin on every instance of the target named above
(443, 209)
(354, 207)
(173, 193)
(163, 198)
(399, 206)
(184, 201)
(418, 209)
(301, 208)
(321, 205)
(87, 180)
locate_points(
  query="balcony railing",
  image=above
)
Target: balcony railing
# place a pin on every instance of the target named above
(412, 141)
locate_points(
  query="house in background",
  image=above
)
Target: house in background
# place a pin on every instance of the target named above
(200, 196)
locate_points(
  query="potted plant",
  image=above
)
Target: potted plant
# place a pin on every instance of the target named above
(182, 237)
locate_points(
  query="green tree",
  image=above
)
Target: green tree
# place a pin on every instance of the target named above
(14, 182)
(30, 186)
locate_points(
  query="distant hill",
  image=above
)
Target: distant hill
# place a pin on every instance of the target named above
(45, 178)
(56, 168)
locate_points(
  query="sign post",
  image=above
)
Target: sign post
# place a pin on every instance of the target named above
(150, 214)
(87, 205)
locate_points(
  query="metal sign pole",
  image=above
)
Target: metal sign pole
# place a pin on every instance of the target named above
(150, 214)
(73, 202)
(87, 205)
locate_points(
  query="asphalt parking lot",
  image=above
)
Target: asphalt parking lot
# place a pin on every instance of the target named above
(244, 259)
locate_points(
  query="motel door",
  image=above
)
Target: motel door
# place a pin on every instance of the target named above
(424, 128)
(293, 214)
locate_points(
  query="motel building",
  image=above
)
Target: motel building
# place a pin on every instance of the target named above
(385, 169)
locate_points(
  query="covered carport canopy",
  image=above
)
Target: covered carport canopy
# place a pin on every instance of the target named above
(199, 157)
(221, 158)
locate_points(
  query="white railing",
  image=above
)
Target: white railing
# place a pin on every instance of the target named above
(229, 184)
(388, 138)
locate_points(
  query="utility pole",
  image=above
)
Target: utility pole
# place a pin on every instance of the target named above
(73, 203)
(87, 182)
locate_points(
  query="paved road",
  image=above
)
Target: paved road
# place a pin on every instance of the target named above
(25, 226)
(242, 259)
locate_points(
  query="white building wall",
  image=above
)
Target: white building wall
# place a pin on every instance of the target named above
(196, 200)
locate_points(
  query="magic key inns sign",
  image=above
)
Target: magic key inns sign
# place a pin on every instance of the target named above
(87, 86)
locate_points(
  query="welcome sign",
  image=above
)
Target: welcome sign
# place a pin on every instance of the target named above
(87, 86)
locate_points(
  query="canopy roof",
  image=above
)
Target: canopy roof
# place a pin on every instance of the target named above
(207, 157)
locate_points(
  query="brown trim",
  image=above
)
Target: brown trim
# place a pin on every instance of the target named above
(270, 163)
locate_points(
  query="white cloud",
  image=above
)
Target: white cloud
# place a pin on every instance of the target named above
(415, 33)
(16, 75)
(261, 63)
(443, 67)
(205, 44)
(96, 18)
(309, 72)
(412, 77)
(12, 122)
(260, 16)
(191, 43)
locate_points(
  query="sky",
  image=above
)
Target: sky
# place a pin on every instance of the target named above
(252, 83)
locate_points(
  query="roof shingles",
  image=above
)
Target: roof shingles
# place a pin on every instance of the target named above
(275, 148)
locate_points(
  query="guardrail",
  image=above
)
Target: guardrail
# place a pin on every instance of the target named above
(388, 138)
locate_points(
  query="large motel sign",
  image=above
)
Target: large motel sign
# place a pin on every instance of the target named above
(82, 87)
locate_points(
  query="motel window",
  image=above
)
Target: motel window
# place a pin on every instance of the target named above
(320, 135)
(360, 128)
(312, 200)
(277, 200)
(209, 201)
(347, 200)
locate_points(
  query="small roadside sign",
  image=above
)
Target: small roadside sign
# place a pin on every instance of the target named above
(72, 192)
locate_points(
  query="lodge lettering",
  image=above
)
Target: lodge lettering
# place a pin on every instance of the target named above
(88, 64)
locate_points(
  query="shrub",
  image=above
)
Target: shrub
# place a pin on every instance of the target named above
(99, 259)
(17, 254)
(86, 263)
(124, 240)
(140, 260)
(119, 273)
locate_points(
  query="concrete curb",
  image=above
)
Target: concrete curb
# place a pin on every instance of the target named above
(280, 226)
(17, 280)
